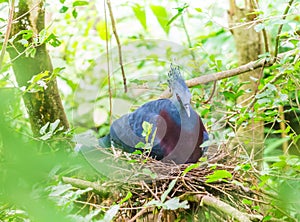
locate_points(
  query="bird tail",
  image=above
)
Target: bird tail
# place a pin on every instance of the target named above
(105, 142)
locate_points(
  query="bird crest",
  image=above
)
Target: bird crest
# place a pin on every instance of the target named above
(175, 76)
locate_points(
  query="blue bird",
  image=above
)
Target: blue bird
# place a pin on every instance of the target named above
(179, 129)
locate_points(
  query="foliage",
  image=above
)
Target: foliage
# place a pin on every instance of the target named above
(76, 37)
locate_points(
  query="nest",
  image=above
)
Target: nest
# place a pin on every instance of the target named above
(172, 188)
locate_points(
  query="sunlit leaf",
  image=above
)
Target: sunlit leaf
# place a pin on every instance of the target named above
(162, 17)
(174, 204)
(170, 187)
(101, 28)
(218, 175)
(80, 3)
(190, 167)
(140, 14)
(63, 9)
(74, 13)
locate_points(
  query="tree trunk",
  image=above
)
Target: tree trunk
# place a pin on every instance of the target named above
(248, 45)
(45, 105)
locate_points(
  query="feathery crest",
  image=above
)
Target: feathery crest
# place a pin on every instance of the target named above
(175, 76)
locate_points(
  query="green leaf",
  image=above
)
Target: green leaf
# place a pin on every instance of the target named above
(24, 42)
(138, 82)
(138, 152)
(26, 34)
(110, 214)
(161, 16)
(60, 189)
(80, 3)
(35, 82)
(170, 187)
(156, 203)
(44, 128)
(180, 11)
(63, 9)
(147, 129)
(218, 175)
(128, 196)
(53, 40)
(74, 13)
(198, 9)
(140, 145)
(174, 204)
(140, 14)
(101, 29)
(190, 167)
(149, 173)
(247, 202)
(54, 125)
(267, 218)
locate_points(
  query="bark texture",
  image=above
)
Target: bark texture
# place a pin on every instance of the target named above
(43, 106)
(248, 45)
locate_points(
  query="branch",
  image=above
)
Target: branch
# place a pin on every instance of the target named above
(264, 32)
(83, 184)
(108, 68)
(223, 207)
(280, 28)
(118, 43)
(229, 73)
(140, 213)
(7, 34)
(278, 76)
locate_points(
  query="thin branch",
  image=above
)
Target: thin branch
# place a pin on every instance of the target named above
(212, 93)
(21, 16)
(83, 184)
(265, 36)
(278, 76)
(229, 73)
(140, 213)
(220, 75)
(211, 201)
(118, 43)
(148, 188)
(264, 32)
(283, 128)
(280, 28)
(7, 34)
(108, 68)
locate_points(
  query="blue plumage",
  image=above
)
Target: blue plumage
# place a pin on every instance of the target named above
(180, 130)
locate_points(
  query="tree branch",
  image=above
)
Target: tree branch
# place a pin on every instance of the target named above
(219, 205)
(118, 43)
(229, 73)
(108, 67)
(280, 28)
(7, 34)
(83, 184)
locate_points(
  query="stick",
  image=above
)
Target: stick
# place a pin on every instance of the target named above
(118, 43)
(9, 24)
(229, 73)
(280, 28)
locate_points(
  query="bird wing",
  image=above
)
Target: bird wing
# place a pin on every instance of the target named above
(126, 132)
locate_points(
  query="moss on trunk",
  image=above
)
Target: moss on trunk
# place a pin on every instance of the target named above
(42, 106)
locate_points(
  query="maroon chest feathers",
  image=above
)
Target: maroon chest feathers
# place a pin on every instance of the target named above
(180, 143)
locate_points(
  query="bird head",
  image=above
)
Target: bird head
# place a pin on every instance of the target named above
(179, 89)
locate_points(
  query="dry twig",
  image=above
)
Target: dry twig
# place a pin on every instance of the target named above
(7, 34)
(118, 43)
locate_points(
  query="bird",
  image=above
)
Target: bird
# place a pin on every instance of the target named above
(178, 130)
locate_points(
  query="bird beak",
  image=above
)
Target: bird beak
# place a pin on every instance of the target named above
(187, 109)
